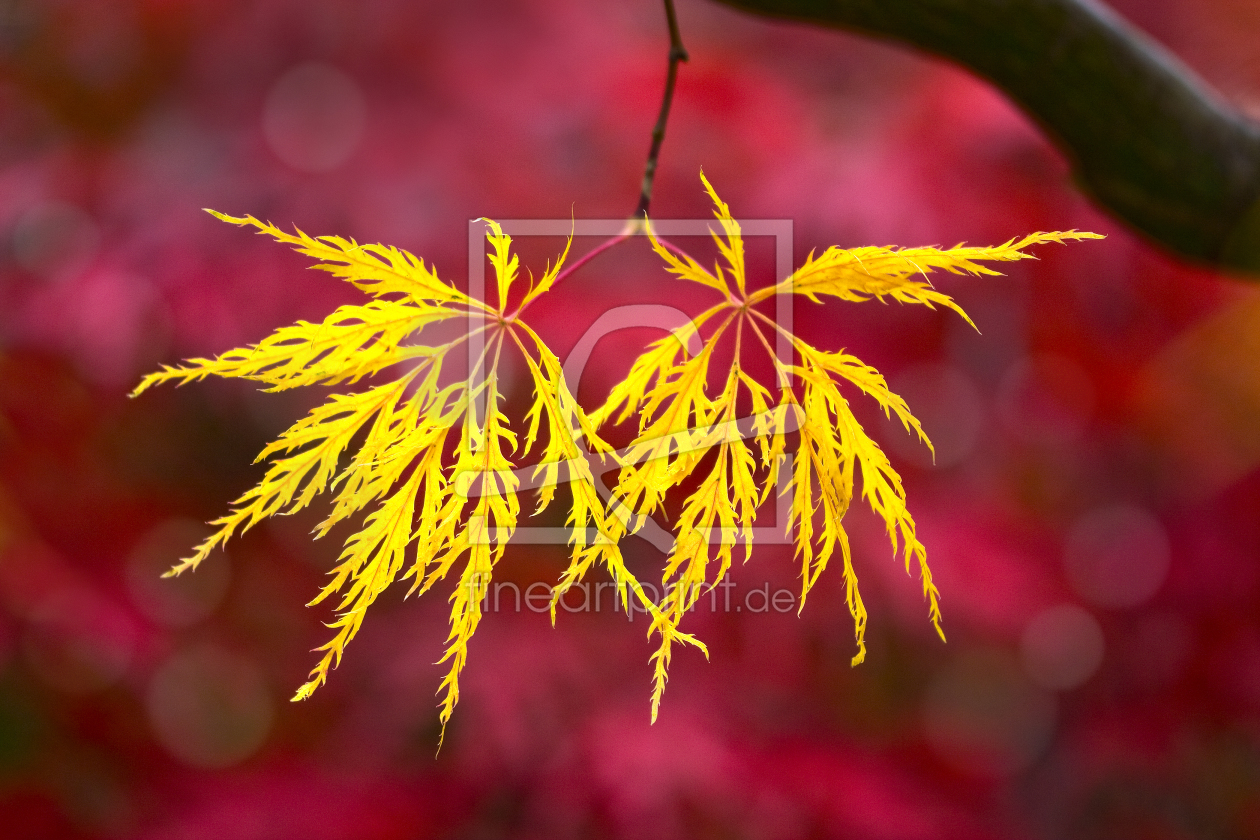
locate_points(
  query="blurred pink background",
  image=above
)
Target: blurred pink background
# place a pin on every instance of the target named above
(1091, 517)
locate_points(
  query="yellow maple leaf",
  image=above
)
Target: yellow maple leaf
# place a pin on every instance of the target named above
(427, 512)
(679, 422)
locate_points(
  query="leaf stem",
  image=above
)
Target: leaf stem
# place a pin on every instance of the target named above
(587, 257)
(677, 55)
(781, 369)
(632, 230)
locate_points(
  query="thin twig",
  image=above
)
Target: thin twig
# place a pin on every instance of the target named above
(592, 254)
(587, 257)
(635, 224)
(677, 55)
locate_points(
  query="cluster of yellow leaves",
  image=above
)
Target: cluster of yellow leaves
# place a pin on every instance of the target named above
(434, 476)
(428, 513)
(679, 423)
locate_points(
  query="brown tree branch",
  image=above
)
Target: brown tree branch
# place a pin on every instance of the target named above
(1148, 140)
(677, 55)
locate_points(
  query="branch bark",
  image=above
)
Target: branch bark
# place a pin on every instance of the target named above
(677, 55)
(1148, 139)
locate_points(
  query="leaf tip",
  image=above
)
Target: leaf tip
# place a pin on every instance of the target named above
(304, 692)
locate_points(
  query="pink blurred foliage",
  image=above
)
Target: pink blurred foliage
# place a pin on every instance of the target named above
(123, 119)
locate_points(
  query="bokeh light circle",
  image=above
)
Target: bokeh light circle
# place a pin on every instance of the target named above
(209, 707)
(175, 601)
(1062, 647)
(313, 117)
(983, 716)
(78, 642)
(54, 239)
(1117, 556)
(1046, 399)
(949, 406)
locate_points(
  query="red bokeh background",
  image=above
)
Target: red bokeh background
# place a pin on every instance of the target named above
(1091, 518)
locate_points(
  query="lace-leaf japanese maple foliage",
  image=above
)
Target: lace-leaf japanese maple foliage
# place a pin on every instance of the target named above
(434, 483)
(427, 510)
(680, 420)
